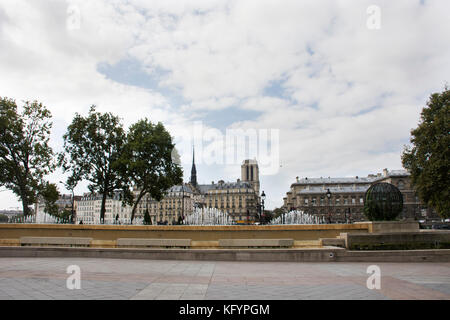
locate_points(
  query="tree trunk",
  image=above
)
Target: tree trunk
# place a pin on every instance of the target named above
(133, 211)
(103, 208)
(26, 209)
(24, 198)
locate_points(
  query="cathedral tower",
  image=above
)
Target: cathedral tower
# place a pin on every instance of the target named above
(250, 173)
(193, 170)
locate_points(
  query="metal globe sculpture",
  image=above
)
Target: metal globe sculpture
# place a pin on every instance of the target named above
(383, 202)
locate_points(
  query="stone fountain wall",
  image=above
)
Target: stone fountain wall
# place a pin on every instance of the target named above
(196, 233)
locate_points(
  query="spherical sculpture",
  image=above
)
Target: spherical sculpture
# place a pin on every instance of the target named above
(383, 201)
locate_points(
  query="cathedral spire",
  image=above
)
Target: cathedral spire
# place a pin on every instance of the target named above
(194, 170)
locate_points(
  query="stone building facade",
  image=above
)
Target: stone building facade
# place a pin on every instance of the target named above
(178, 202)
(412, 206)
(89, 205)
(240, 199)
(346, 203)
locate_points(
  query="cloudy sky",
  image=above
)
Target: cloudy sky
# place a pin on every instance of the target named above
(329, 88)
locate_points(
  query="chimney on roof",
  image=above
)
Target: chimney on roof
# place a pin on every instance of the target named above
(385, 172)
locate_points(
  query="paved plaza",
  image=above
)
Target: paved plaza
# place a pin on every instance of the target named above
(100, 279)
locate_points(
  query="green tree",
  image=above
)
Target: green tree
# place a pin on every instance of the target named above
(66, 214)
(428, 158)
(93, 146)
(277, 212)
(148, 161)
(70, 184)
(25, 155)
(50, 195)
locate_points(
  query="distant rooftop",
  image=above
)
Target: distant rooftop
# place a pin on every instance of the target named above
(250, 161)
(179, 188)
(352, 180)
(221, 185)
(337, 180)
(398, 173)
(347, 189)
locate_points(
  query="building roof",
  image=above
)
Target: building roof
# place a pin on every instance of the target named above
(180, 188)
(250, 161)
(398, 173)
(204, 188)
(333, 190)
(353, 180)
(343, 180)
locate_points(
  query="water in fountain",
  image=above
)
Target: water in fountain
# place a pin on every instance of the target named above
(297, 217)
(208, 217)
(44, 218)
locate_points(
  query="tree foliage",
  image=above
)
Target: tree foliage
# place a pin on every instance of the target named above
(277, 212)
(50, 195)
(25, 155)
(148, 161)
(428, 157)
(93, 146)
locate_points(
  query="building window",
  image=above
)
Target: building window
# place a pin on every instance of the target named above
(401, 184)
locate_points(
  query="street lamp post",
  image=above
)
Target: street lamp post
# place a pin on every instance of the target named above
(263, 198)
(182, 203)
(329, 204)
(146, 209)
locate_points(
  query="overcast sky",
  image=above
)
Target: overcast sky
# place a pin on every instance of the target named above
(334, 86)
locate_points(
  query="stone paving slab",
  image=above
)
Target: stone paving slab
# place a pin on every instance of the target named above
(120, 279)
